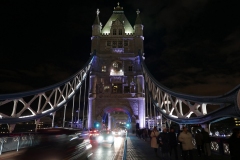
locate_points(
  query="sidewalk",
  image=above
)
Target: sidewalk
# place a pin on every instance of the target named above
(138, 149)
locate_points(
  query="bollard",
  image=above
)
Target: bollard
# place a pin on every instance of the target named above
(18, 143)
(1, 140)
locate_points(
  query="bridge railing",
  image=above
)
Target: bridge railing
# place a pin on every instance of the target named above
(32, 105)
(218, 145)
(18, 142)
(189, 109)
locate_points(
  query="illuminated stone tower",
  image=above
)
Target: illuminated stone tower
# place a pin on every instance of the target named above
(116, 86)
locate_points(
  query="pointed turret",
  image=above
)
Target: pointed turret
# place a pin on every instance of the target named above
(96, 32)
(138, 19)
(96, 28)
(97, 21)
(138, 29)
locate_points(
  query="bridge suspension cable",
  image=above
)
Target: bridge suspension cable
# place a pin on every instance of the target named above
(79, 105)
(84, 100)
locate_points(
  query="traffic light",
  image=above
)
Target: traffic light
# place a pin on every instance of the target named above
(127, 125)
(96, 125)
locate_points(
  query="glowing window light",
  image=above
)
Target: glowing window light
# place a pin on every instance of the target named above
(128, 31)
(104, 68)
(116, 73)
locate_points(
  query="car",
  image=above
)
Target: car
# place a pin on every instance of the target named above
(93, 134)
(116, 132)
(119, 132)
(123, 132)
(105, 137)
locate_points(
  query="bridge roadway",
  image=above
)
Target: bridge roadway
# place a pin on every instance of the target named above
(137, 149)
(99, 152)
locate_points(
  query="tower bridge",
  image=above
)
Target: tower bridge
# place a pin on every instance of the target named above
(120, 87)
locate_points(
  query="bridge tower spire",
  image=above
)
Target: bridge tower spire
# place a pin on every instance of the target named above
(138, 29)
(96, 31)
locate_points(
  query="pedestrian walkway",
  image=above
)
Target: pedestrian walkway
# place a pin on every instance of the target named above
(138, 149)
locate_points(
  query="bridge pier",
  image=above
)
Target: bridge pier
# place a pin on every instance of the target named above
(141, 113)
(91, 112)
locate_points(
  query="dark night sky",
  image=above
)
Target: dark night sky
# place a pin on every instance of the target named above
(190, 46)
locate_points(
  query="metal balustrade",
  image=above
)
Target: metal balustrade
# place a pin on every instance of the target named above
(18, 142)
(217, 145)
(226, 148)
(15, 143)
(214, 146)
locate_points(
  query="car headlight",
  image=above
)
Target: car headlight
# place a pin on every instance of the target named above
(100, 138)
(110, 138)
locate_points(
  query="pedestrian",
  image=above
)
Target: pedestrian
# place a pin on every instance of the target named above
(206, 142)
(154, 144)
(173, 143)
(181, 150)
(199, 142)
(165, 144)
(186, 138)
(234, 144)
(145, 134)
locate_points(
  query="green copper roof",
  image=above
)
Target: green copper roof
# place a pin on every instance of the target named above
(118, 14)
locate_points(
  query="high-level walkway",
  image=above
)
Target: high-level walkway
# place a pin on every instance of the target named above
(138, 149)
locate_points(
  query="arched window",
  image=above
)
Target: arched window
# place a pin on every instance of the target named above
(115, 65)
(116, 68)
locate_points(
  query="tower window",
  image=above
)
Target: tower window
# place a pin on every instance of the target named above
(115, 65)
(116, 88)
(125, 42)
(126, 89)
(120, 44)
(108, 43)
(114, 32)
(130, 68)
(104, 68)
(120, 31)
(114, 44)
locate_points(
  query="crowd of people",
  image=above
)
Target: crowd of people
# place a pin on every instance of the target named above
(169, 140)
